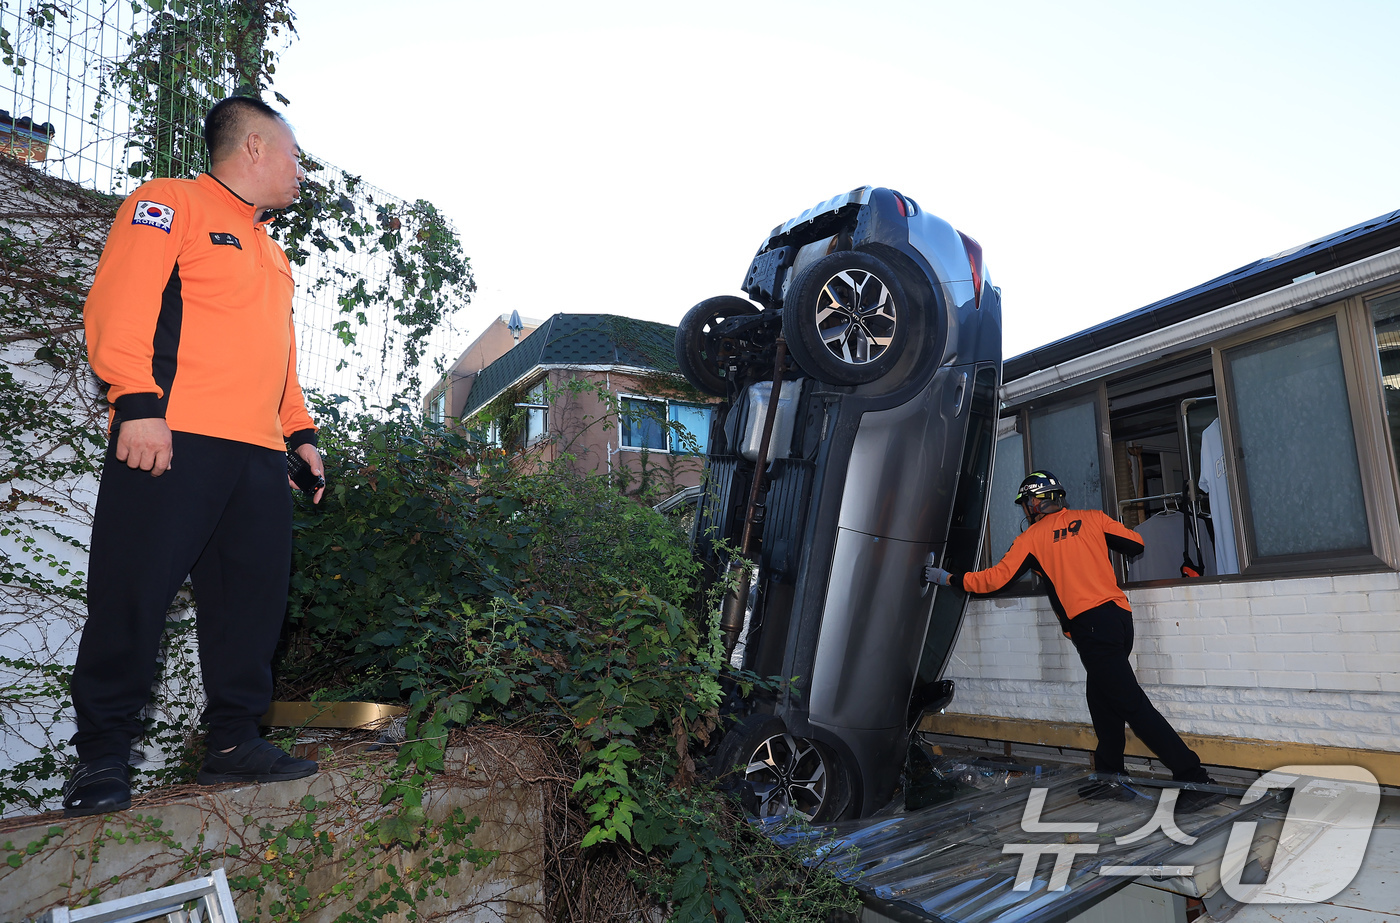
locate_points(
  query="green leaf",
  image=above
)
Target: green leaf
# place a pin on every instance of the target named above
(639, 716)
(690, 880)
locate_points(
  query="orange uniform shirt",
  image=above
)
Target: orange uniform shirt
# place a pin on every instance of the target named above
(190, 316)
(1070, 550)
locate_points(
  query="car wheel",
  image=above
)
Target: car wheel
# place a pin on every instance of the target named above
(846, 319)
(779, 774)
(700, 351)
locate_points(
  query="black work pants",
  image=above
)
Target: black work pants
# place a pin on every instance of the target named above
(222, 516)
(1104, 637)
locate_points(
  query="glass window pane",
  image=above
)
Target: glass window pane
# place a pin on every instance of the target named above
(536, 422)
(1004, 515)
(1298, 463)
(1385, 311)
(695, 420)
(536, 416)
(1065, 441)
(642, 426)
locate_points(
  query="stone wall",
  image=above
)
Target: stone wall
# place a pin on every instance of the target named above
(149, 846)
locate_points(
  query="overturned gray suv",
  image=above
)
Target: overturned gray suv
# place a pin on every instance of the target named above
(874, 324)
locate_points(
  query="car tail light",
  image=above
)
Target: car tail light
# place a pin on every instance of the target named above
(899, 204)
(974, 260)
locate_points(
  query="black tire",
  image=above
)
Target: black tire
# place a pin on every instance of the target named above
(846, 318)
(779, 774)
(699, 352)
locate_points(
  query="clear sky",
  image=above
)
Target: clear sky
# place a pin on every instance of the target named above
(629, 158)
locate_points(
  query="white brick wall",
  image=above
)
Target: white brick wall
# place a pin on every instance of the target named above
(1309, 660)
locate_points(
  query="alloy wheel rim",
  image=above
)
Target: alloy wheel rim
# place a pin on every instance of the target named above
(856, 316)
(789, 776)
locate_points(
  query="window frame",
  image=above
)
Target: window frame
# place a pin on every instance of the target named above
(667, 421)
(1381, 435)
(622, 445)
(1097, 394)
(1006, 425)
(1365, 403)
(535, 402)
(1378, 458)
(671, 441)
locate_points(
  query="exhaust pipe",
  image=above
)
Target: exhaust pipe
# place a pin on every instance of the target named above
(736, 599)
(736, 603)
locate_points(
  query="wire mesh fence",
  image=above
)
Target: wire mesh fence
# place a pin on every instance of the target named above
(356, 349)
(107, 93)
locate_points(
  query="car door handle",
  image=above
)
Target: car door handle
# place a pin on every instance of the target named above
(960, 395)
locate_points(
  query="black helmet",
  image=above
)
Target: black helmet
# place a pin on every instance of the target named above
(1040, 485)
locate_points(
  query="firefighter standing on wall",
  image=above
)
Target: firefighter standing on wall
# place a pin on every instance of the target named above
(189, 321)
(1069, 549)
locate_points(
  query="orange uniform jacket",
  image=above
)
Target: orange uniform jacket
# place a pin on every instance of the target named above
(190, 317)
(1070, 550)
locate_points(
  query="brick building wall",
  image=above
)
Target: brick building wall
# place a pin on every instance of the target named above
(1311, 661)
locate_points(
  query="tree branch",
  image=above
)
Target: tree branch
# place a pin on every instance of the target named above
(40, 334)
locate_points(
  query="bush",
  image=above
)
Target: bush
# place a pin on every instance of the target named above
(400, 524)
(418, 516)
(436, 573)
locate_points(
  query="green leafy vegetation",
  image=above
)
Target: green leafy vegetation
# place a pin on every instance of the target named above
(272, 859)
(473, 588)
(445, 575)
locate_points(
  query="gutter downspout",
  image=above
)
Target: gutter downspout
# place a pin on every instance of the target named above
(607, 383)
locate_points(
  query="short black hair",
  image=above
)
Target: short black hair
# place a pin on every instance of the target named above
(224, 125)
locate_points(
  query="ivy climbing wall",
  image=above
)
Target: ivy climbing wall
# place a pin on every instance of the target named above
(97, 96)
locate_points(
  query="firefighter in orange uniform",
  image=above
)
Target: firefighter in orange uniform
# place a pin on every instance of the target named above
(189, 321)
(1069, 550)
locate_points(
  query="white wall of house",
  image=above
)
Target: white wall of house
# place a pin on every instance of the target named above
(33, 627)
(1312, 660)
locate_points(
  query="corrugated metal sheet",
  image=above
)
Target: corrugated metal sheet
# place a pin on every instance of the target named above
(961, 860)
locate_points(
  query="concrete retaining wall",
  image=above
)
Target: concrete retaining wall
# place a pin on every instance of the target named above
(115, 855)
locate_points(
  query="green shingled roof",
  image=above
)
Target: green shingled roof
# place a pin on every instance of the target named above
(578, 339)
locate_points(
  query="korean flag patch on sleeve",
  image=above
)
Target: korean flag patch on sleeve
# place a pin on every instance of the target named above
(154, 214)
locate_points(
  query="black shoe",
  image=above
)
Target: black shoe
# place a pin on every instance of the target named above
(1190, 801)
(1106, 790)
(97, 787)
(255, 760)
